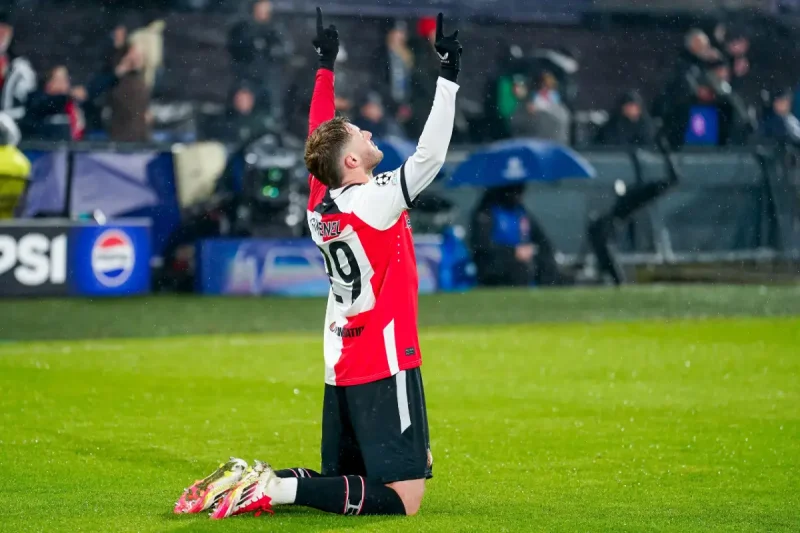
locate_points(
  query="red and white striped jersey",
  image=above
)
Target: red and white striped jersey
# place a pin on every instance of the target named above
(364, 234)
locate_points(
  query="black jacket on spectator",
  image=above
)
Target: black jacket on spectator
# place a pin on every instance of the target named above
(780, 129)
(499, 225)
(678, 98)
(236, 128)
(621, 131)
(46, 118)
(254, 47)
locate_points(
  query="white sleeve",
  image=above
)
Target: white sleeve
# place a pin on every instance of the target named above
(381, 201)
(9, 130)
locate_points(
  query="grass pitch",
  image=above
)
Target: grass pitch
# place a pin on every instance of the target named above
(678, 425)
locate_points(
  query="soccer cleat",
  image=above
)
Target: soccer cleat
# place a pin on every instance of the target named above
(249, 495)
(207, 492)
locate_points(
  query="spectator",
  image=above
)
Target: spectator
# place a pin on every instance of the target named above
(372, 117)
(694, 59)
(698, 50)
(504, 93)
(54, 113)
(149, 40)
(348, 81)
(705, 94)
(629, 124)
(398, 60)
(258, 48)
(716, 30)
(129, 100)
(737, 45)
(17, 77)
(544, 116)
(509, 246)
(779, 125)
(243, 121)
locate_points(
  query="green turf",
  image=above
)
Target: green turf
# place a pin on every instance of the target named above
(634, 426)
(173, 315)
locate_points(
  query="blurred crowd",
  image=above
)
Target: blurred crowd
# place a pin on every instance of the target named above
(48, 106)
(701, 102)
(531, 94)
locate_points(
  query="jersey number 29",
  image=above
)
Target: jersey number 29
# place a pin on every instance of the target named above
(341, 257)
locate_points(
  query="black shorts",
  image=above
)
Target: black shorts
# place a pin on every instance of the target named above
(377, 430)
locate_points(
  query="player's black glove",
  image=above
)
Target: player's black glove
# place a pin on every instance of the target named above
(326, 43)
(449, 50)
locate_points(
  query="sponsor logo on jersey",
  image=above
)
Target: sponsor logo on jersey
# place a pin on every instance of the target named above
(345, 332)
(113, 258)
(325, 229)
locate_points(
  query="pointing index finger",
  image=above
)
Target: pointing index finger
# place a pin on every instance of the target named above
(439, 26)
(319, 21)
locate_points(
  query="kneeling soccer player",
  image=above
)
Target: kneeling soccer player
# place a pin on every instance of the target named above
(375, 445)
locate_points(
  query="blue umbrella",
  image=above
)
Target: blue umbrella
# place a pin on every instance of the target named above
(395, 152)
(520, 160)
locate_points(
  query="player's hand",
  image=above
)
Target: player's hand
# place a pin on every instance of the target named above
(449, 50)
(326, 43)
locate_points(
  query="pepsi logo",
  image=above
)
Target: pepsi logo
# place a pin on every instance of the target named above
(113, 258)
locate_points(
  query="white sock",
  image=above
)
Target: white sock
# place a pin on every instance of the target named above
(283, 491)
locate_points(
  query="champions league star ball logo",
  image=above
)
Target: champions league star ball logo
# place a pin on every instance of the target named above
(113, 258)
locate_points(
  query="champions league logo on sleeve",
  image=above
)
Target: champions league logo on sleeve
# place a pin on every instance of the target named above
(385, 179)
(113, 258)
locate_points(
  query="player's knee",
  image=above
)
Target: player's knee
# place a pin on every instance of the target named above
(412, 504)
(410, 493)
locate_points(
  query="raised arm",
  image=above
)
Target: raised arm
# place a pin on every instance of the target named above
(422, 167)
(323, 105)
(322, 101)
(384, 198)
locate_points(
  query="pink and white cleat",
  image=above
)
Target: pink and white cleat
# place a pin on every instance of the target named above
(207, 492)
(249, 495)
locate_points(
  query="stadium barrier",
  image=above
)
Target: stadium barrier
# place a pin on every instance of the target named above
(729, 204)
(58, 257)
(288, 267)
